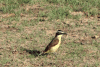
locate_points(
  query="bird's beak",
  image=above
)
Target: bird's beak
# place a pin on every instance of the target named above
(64, 33)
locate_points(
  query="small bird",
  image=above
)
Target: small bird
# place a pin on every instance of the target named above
(55, 43)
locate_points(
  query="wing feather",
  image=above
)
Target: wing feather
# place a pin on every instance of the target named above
(51, 44)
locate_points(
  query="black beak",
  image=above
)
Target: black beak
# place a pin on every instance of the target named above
(64, 33)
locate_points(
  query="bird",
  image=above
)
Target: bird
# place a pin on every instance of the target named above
(55, 43)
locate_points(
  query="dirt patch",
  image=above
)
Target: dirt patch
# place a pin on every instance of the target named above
(77, 13)
(79, 47)
(50, 32)
(4, 28)
(7, 15)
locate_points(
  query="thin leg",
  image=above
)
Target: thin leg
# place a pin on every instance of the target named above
(55, 54)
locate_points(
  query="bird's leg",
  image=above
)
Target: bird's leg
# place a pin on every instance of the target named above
(55, 54)
(41, 53)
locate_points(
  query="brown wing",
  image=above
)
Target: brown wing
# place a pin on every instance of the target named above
(51, 44)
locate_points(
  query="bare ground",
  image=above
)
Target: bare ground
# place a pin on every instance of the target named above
(80, 47)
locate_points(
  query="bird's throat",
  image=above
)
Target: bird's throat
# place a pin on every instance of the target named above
(59, 37)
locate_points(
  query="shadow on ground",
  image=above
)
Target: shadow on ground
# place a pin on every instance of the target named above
(33, 52)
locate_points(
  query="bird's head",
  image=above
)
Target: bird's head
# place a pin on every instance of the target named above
(59, 32)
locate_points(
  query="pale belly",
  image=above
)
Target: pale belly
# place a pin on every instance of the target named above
(54, 48)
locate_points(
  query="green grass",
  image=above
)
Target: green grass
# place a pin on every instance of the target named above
(28, 32)
(4, 61)
(60, 11)
(80, 5)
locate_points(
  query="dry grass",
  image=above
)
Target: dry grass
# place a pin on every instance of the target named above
(24, 36)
